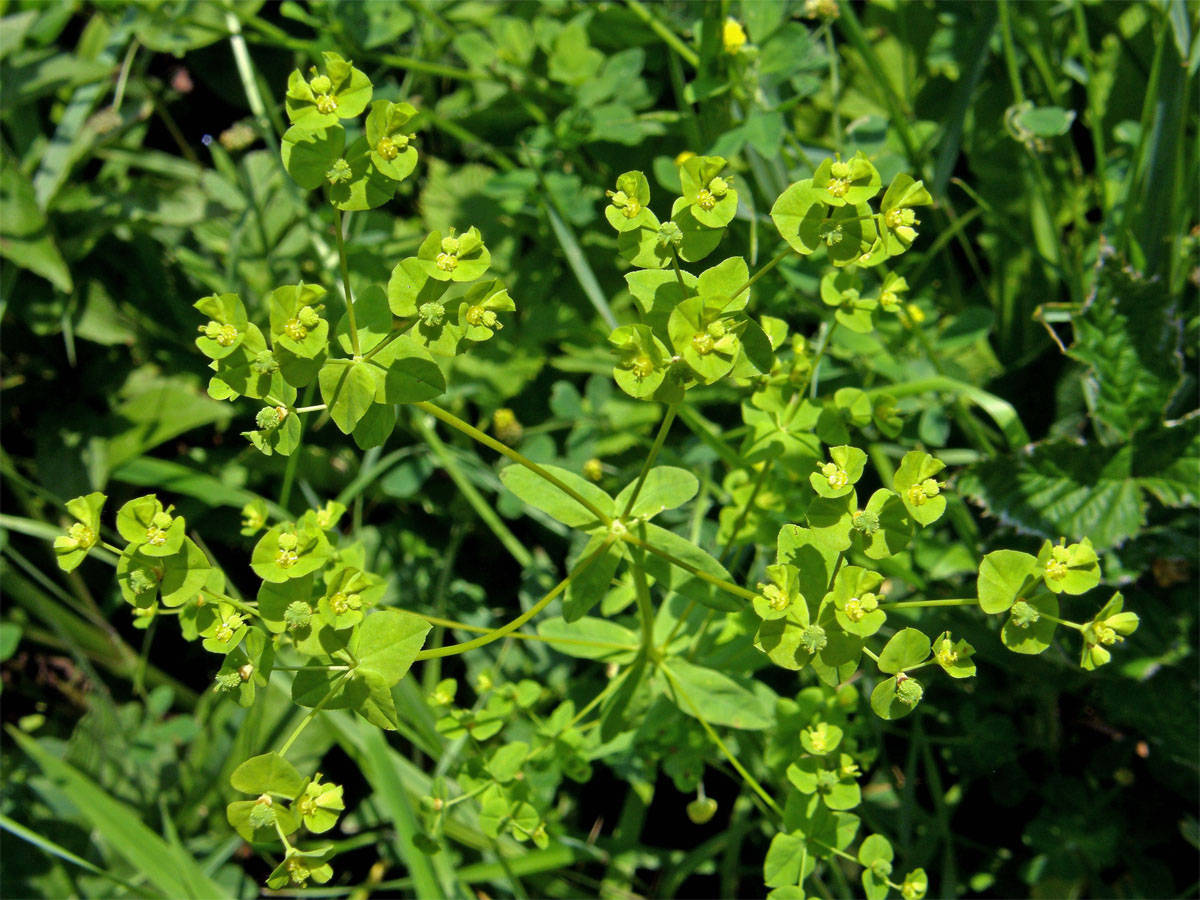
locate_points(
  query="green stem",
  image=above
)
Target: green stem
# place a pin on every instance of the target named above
(644, 604)
(485, 512)
(669, 37)
(312, 714)
(867, 650)
(716, 739)
(918, 604)
(687, 611)
(774, 261)
(289, 471)
(759, 479)
(480, 629)
(688, 567)
(345, 267)
(1076, 625)
(307, 409)
(794, 403)
(472, 432)
(455, 649)
(678, 270)
(835, 89)
(663, 428)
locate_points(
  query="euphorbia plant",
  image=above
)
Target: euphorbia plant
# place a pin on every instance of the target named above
(838, 590)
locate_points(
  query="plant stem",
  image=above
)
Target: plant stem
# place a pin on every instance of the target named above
(741, 520)
(688, 567)
(663, 428)
(495, 635)
(345, 266)
(918, 604)
(480, 629)
(867, 650)
(472, 432)
(306, 409)
(834, 89)
(312, 713)
(1076, 625)
(645, 607)
(485, 512)
(716, 739)
(771, 264)
(669, 37)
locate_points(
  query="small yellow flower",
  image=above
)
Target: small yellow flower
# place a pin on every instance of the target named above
(733, 35)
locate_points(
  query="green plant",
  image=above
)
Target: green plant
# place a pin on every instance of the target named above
(679, 663)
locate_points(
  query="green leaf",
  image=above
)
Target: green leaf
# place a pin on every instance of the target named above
(1034, 636)
(907, 648)
(388, 136)
(1063, 488)
(268, 773)
(798, 214)
(592, 585)
(507, 761)
(405, 372)
(25, 237)
(721, 699)
(657, 292)
(348, 388)
(893, 529)
(886, 702)
(184, 574)
(915, 484)
(308, 155)
(674, 578)
(366, 187)
(589, 638)
(541, 494)
(167, 867)
(387, 642)
(699, 239)
(788, 860)
(1003, 576)
(666, 487)
(1069, 570)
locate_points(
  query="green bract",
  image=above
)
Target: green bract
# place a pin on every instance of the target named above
(454, 258)
(340, 92)
(710, 197)
(1110, 626)
(764, 398)
(846, 183)
(1069, 570)
(226, 328)
(73, 547)
(841, 291)
(628, 209)
(150, 528)
(897, 220)
(918, 490)
(389, 135)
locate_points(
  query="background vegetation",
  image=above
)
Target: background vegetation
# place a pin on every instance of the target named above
(1056, 278)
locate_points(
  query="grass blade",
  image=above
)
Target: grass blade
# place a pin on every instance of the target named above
(175, 874)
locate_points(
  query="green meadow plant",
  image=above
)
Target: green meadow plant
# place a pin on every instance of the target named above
(838, 604)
